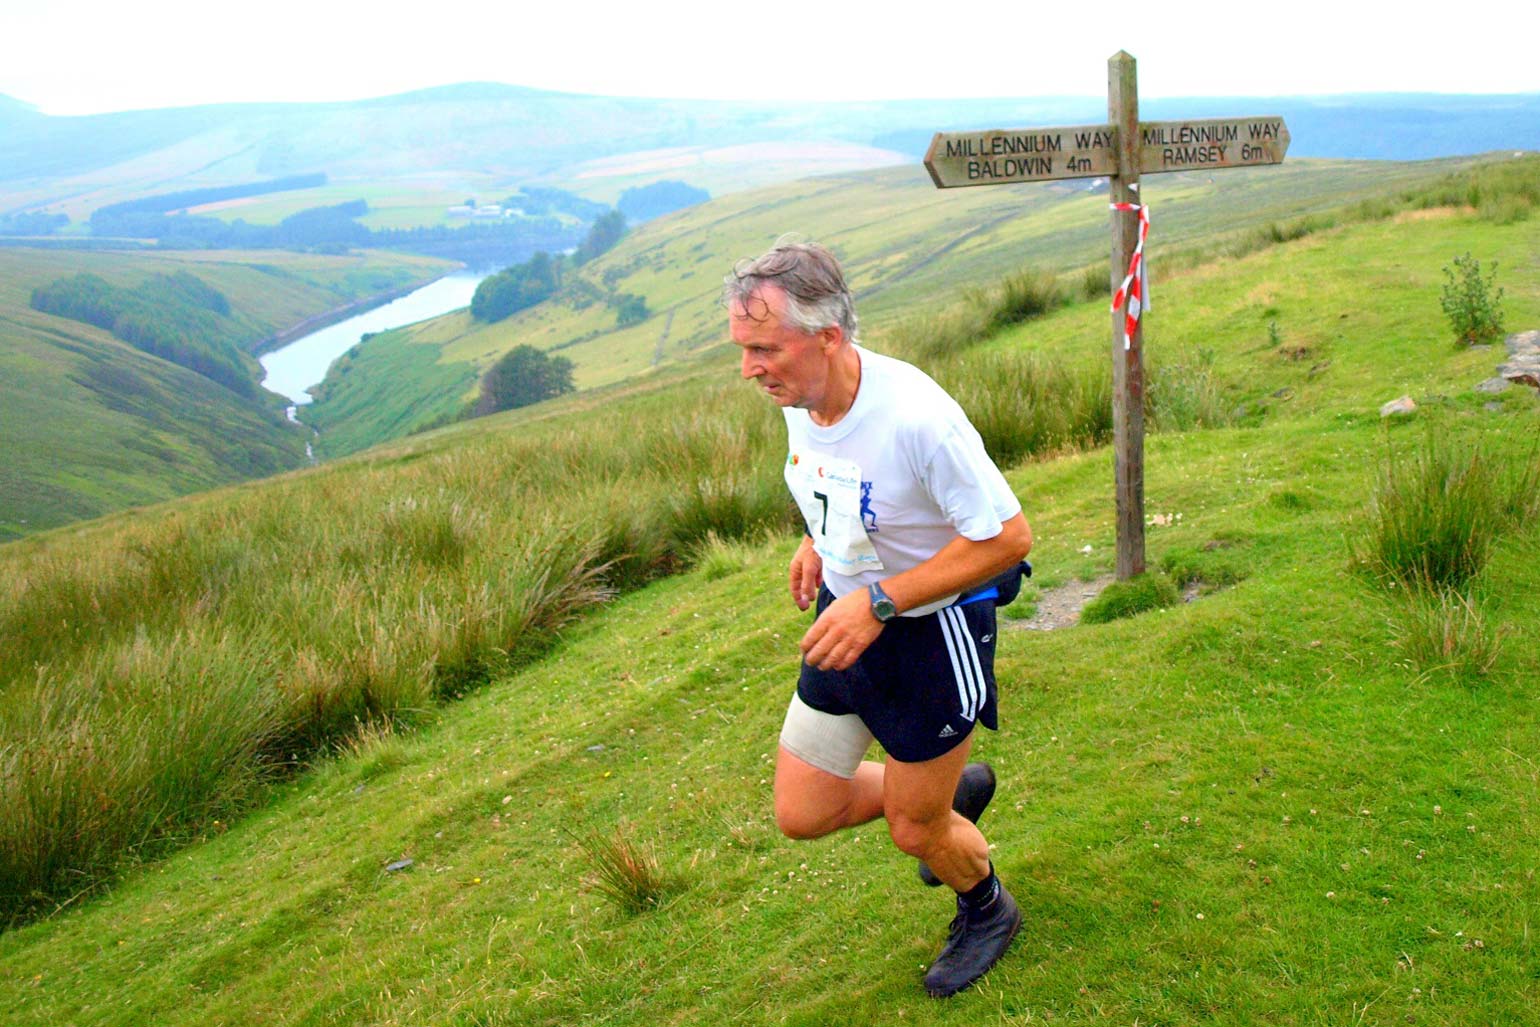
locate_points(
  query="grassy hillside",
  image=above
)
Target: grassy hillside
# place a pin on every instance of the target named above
(1260, 807)
(92, 425)
(905, 245)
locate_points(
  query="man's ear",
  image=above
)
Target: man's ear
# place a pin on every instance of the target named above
(829, 338)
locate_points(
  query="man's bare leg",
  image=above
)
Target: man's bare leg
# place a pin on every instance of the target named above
(810, 803)
(917, 800)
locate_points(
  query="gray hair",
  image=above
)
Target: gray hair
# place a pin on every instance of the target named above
(809, 275)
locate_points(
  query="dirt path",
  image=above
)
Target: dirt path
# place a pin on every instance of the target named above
(1060, 607)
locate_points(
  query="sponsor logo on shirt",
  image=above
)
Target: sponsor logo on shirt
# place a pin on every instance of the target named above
(835, 475)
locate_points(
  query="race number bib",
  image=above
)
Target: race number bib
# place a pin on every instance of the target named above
(829, 493)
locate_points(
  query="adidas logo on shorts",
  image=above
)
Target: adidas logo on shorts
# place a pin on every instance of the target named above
(947, 732)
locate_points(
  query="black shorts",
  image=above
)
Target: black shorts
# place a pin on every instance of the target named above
(921, 686)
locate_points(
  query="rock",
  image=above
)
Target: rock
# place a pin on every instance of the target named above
(398, 866)
(1492, 386)
(1493, 406)
(1404, 405)
(1523, 365)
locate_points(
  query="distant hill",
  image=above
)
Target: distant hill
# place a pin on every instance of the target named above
(904, 244)
(485, 136)
(12, 109)
(1377, 126)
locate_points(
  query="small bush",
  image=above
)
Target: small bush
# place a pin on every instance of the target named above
(630, 309)
(1149, 591)
(1474, 310)
(625, 871)
(522, 376)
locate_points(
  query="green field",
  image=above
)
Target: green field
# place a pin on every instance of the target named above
(406, 204)
(905, 244)
(1259, 807)
(92, 425)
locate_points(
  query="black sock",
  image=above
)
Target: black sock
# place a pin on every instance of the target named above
(982, 895)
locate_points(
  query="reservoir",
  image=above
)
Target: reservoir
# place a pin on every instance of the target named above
(303, 362)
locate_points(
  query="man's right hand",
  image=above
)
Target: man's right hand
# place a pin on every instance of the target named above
(806, 574)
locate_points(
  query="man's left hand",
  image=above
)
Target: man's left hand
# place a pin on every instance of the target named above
(841, 633)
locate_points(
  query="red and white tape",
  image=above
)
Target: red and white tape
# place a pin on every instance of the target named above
(1135, 287)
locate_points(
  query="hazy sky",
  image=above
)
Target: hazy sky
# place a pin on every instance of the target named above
(83, 56)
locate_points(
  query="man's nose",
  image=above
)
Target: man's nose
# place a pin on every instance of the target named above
(751, 368)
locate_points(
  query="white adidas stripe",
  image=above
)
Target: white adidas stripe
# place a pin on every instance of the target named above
(965, 661)
(973, 655)
(970, 664)
(951, 650)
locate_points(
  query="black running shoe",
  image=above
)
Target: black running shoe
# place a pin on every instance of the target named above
(974, 790)
(975, 942)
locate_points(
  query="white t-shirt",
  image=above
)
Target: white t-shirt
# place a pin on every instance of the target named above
(898, 477)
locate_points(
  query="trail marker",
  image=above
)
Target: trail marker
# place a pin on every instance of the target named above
(1119, 151)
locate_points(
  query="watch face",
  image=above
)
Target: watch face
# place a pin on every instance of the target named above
(882, 607)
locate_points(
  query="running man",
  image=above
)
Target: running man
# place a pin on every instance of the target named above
(906, 516)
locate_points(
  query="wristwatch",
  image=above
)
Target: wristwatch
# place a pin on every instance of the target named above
(882, 606)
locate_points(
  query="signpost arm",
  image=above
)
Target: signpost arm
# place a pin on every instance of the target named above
(1127, 356)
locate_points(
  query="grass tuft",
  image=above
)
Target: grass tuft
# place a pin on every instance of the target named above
(1026, 405)
(1148, 591)
(145, 740)
(624, 870)
(1444, 631)
(1184, 393)
(1210, 569)
(1025, 295)
(1094, 283)
(1437, 511)
(716, 557)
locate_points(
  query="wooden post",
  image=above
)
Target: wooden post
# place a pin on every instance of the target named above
(1127, 364)
(1120, 150)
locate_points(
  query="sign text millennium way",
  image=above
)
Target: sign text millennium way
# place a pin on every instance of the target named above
(995, 157)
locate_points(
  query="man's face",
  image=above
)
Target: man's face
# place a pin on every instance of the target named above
(791, 367)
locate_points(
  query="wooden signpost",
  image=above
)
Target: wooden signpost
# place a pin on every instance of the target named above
(1119, 151)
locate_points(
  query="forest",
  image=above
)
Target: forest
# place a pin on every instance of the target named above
(176, 317)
